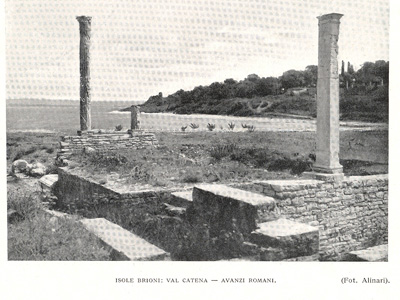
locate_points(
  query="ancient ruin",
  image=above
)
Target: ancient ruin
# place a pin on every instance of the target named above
(327, 217)
(84, 58)
(327, 151)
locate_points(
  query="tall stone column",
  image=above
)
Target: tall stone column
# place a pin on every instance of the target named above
(135, 117)
(327, 152)
(84, 57)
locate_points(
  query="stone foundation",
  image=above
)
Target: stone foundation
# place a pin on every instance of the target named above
(351, 214)
(102, 140)
(348, 216)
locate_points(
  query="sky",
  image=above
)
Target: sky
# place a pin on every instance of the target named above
(141, 48)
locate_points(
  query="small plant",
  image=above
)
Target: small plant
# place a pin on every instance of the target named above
(183, 128)
(221, 151)
(210, 127)
(244, 125)
(194, 125)
(231, 126)
(118, 127)
(251, 128)
(191, 177)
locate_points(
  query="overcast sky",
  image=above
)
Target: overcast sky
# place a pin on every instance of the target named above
(140, 48)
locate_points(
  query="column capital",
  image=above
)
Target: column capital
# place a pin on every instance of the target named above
(329, 18)
(84, 19)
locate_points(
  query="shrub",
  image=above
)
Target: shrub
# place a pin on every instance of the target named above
(194, 125)
(27, 205)
(21, 153)
(244, 125)
(191, 177)
(251, 128)
(108, 159)
(231, 126)
(183, 128)
(210, 127)
(220, 151)
(118, 127)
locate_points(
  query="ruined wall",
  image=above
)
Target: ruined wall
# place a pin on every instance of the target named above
(142, 213)
(106, 141)
(351, 214)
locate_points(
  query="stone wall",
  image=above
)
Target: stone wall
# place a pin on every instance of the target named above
(140, 212)
(351, 214)
(102, 140)
(83, 194)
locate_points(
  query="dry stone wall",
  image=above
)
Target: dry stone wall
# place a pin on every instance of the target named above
(105, 141)
(351, 214)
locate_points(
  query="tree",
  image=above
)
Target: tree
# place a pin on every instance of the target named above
(292, 78)
(311, 75)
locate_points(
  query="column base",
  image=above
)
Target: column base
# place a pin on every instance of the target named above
(327, 170)
(329, 177)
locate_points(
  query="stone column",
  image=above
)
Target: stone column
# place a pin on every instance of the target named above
(327, 152)
(135, 117)
(84, 57)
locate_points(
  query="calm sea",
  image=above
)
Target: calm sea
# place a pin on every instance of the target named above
(63, 116)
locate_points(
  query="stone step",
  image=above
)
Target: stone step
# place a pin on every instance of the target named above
(376, 253)
(174, 211)
(230, 208)
(124, 244)
(47, 182)
(292, 238)
(181, 199)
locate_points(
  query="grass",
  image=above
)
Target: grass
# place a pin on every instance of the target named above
(31, 147)
(42, 237)
(232, 157)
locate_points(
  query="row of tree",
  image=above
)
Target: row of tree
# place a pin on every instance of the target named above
(370, 73)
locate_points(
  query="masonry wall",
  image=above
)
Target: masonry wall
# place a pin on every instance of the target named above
(105, 141)
(351, 215)
(142, 213)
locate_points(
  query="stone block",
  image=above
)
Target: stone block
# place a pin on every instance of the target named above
(182, 199)
(372, 254)
(293, 238)
(124, 244)
(226, 208)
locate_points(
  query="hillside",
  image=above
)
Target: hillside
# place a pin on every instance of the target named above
(371, 106)
(363, 95)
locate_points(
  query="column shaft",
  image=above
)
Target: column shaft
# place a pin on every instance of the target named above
(327, 152)
(84, 58)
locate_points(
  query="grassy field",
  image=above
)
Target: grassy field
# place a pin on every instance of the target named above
(183, 158)
(38, 236)
(231, 157)
(212, 156)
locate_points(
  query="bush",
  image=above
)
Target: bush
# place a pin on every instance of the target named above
(194, 125)
(118, 128)
(220, 151)
(231, 126)
(191, 177)
(23, 152)
(109, 159)
(251, 128)
(210, 127)
(183, 128)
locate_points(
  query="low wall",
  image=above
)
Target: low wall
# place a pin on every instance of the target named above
(142, 213)
(351, 214)
(102, 140)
